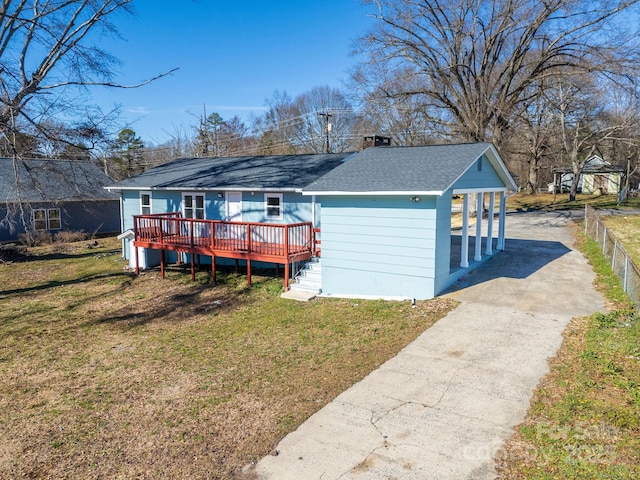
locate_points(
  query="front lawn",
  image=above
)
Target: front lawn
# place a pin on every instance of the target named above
(108, 375)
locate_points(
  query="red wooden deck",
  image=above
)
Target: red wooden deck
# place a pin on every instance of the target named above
(266, 242)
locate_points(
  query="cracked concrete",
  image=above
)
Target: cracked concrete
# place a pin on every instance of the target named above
(443, 406)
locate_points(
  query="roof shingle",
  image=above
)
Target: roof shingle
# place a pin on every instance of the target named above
(47, 180)
(432, 168)
(277, 172)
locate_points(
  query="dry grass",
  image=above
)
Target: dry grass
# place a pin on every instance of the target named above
(627, 229)
(547, 201)
(107, 375)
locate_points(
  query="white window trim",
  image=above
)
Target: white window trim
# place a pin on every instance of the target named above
(47, 218)
(266, 206)
(194, 194)
(33, 217)
(49, 227)
(150, 202)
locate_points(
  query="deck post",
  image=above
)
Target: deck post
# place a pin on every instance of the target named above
(162, 260)
(135, 248)
(286, 276)
(193, 268)
(286, 257)
(213, 269)
(248, 272)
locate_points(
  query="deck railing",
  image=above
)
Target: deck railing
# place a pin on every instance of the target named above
(173, 231)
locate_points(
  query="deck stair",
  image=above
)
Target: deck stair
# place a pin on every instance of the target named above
(309, 279)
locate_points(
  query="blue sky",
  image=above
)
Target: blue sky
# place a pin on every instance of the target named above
(232, 55)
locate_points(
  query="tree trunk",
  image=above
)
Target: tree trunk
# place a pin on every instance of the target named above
(532, 180)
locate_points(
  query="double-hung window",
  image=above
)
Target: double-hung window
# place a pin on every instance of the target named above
(53, 219)
(193, 205)
(273, 206)
(145, 203)
(47, 219)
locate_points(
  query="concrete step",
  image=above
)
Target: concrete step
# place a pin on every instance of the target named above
(305, 284)
(309, 279)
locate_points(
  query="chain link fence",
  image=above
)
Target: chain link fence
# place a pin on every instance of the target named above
(621, 263)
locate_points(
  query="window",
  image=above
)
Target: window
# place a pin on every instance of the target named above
(47, 219)
(145, 203)
(54, 219)
(40, 219)
(273, 206)
(193, 206)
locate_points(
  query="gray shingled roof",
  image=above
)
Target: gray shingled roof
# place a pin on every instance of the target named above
(40, 180)
(277, 172)
(432, 168)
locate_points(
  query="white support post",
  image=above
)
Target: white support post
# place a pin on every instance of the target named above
(464, 246)
(478, 256)
(489, 248)
(502, 218)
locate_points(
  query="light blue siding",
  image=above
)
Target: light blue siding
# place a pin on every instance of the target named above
(487, 177)
(379, 246)
(296, 208)
(443, 243)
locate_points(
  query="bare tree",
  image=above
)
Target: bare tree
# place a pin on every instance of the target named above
(326, 121)
(49, 53)
(234, 137)
(586, 124)
(387, 109)
(476, 60)
(275, 129)
(319, 120)
(531, 140)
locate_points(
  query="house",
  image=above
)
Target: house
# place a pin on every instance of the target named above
(53, 196)
(386, 219)
(598, 175)
(380, 220)
(243, 190)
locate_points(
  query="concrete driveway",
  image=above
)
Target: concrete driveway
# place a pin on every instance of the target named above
(443, 406)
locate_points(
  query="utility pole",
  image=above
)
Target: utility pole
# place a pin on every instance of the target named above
(327, 128)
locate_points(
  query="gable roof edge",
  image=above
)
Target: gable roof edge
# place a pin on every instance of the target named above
(497, 163)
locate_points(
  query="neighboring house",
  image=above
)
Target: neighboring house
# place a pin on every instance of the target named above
(55, 195)
(597, 175)
(383, 215)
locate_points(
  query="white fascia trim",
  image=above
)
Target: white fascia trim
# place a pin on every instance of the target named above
(461, 191)
(388, 193)
(506, 175)
(498, 164)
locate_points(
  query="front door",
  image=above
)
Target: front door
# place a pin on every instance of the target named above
(234, 206)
